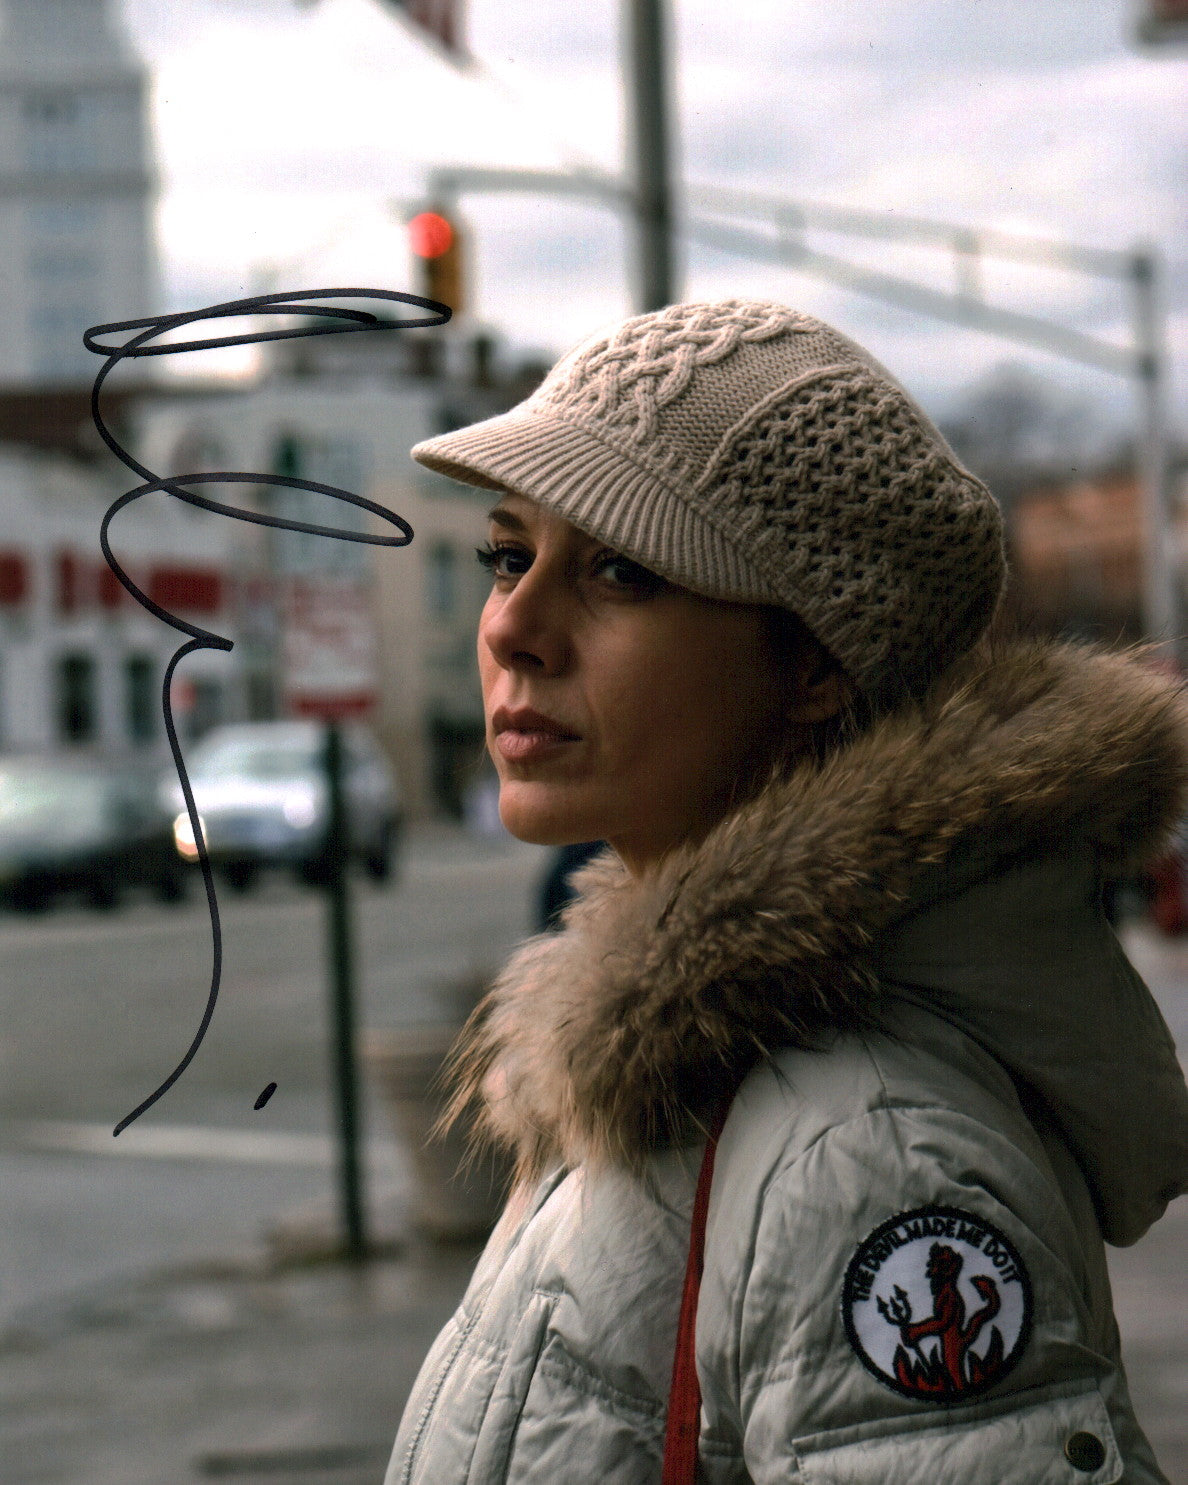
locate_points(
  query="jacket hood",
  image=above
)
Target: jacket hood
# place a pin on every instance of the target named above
(949, 856)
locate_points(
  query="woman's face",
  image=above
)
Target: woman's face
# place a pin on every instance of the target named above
(618, 706)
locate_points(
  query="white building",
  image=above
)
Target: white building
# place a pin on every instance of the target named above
(81, 663)
(76, 186)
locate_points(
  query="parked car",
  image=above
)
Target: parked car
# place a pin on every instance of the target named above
(261, 795)
(83, 828)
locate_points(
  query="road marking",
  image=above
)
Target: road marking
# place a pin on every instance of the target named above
(293, 1460)
(188, 1142)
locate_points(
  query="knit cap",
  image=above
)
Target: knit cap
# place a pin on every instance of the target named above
(751, 453)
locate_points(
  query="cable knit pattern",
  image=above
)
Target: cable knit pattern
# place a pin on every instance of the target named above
(749, 452)
(624, 379)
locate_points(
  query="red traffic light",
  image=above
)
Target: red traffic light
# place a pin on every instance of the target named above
(430, 235)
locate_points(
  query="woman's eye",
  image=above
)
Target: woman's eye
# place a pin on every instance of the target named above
(624, 573)
(503, 560)
(506, 561)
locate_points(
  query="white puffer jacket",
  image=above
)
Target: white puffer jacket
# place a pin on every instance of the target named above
(952, 1086)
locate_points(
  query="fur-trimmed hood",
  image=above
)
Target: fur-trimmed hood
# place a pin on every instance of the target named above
(853, 882)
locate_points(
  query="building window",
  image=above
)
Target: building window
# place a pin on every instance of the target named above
(447, 418)
(67, 131)
(65, 291)
(56, 332)
(83, 24)
(112, 593)
(140, 698)
(77, 220)
(68, 572)
(77, 696)
(60, 134)
(58, 268)
(441, 576)
(14, 579)
(207, 710)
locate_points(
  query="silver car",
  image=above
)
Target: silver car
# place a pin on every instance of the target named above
(261, 794)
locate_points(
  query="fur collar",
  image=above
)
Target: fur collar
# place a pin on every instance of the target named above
(615, 1036)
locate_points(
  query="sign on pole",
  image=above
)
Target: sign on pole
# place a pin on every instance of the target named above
(328, 647)
(328, 659)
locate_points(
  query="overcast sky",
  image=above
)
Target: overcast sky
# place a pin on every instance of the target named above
(291, 136)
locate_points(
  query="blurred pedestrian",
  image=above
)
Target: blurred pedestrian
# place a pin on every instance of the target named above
(1167, 881)
(480, 808)
(836, 1055)
(556, 889)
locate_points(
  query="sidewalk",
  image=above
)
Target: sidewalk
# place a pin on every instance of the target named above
(241, 1372)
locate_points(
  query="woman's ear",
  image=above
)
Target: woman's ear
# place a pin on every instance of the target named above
(821, 690)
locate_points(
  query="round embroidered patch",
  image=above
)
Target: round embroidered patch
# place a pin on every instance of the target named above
(937, 1304)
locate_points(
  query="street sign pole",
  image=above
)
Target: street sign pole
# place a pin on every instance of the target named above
(339, 945)
(1162, 608)
(329, 673)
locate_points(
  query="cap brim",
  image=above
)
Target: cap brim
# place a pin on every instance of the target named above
(600, 488)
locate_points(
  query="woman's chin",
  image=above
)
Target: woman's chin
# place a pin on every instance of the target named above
(542, 822)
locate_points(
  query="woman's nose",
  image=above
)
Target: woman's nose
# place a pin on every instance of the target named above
(528, 627)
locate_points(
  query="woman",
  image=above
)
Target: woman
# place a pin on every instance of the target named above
(850, 907)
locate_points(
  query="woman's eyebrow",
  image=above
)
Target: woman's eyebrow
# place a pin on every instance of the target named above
(501, 516)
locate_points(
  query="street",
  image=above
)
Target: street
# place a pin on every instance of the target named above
(95, 1010)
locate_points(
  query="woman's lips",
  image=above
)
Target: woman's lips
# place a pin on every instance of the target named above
(524, 735)
(528, 747)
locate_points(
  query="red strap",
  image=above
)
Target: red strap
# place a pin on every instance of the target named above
(684, 1397)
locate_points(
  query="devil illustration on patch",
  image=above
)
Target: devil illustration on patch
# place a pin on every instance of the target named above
(937, 1304)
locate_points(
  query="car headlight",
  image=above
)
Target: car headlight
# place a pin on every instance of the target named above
(183, 836)
(299, 811)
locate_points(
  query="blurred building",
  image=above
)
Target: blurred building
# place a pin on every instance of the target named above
(76, 186)
(81, 665)
(345, 412)
(1077, 553)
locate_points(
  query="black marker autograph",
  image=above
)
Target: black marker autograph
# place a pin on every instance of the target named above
(301, 303)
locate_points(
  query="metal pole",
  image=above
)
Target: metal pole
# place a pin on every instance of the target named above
(653, 195)
(1161, 593)
(338, 924)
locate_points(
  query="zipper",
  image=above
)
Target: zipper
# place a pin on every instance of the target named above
(546, 1188)
(438, 1383)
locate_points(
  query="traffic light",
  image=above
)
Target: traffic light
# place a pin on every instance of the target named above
(435, 241)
